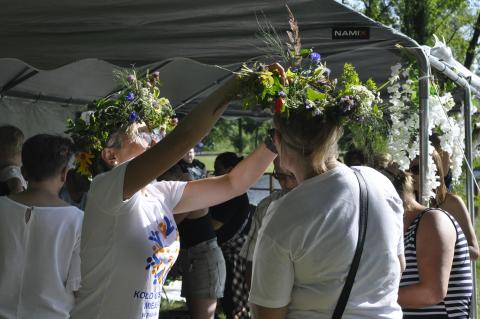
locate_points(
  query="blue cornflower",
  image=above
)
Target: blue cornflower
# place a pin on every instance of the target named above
(130, 96)
(133, 117)
(314, 57)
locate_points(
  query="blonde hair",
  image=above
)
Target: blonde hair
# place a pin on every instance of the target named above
(311, 138)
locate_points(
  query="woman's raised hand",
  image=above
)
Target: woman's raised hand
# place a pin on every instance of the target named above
(276, 67)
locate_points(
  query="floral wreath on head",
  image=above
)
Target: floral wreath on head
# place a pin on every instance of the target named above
(310, 89)
(138, 102)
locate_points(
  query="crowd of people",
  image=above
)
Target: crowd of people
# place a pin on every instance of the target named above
(103, 249)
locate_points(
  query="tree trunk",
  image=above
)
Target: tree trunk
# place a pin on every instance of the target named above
(473, 44)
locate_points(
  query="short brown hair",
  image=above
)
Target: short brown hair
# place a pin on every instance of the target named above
(45, 155)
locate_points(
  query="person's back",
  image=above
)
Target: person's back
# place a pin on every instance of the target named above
(40, 265)
(11, 180)
(315, 226)
(40, 237)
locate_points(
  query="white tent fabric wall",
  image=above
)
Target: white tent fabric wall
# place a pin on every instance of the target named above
(33, 117)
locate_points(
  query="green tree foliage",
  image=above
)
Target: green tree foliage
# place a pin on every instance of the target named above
(454, 20)
(241, 135)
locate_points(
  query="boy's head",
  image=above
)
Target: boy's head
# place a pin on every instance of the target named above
(11, 140)
(45, 156)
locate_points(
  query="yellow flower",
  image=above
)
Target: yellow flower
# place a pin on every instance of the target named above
(84, 160)
(266, 77)
(163, 101)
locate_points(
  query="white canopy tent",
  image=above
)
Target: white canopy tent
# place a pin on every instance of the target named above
(64, 51)
(57, 36)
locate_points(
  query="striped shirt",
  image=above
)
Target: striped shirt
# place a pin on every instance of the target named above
(456, 303)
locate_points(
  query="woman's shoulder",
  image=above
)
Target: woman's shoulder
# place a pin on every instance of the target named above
(436, 218)
(453, 199)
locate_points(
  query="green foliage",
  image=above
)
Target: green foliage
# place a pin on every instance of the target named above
(421, 19)
(138, 101)
(241, 135)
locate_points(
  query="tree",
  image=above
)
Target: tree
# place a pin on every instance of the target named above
(241, 135)
(421, 19)
(472, 46)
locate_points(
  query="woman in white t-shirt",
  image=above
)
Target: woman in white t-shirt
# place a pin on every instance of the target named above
(129, 237)
(40, 237)
(308, 238)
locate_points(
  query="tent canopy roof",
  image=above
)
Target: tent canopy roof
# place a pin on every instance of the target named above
(65, 51)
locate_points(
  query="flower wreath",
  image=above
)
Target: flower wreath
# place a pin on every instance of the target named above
(138, 101)
(309, 87)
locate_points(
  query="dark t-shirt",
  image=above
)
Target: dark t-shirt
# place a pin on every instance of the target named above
(233, 214)
(196, 169)
(195, 231)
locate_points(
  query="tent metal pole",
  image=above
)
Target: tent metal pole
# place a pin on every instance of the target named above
(452, 75)
(469, 181)
(423, 92)
(17, 79)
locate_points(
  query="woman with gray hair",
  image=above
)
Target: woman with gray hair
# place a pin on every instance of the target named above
(130, 239)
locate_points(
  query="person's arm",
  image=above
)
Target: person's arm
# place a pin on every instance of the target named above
(155, 161)
(260, 312)
(435, 247)
(456, 207)
(273, 278)
(214, 190)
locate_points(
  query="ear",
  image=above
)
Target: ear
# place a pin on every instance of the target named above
(109, 156)
(24, 174)
(63, 174)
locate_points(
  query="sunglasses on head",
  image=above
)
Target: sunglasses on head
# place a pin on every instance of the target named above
(149, 138)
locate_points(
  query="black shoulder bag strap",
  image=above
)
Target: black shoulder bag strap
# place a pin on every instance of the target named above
(362, 230)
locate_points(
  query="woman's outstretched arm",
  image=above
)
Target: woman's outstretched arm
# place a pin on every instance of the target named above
(155, 161)
(456, 207)
(214, 190)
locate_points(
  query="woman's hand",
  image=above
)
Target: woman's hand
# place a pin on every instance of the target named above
(276, 67)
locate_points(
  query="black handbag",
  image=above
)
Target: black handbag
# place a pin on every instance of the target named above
(362, 230)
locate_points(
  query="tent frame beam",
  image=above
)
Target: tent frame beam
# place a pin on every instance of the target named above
(18, 79)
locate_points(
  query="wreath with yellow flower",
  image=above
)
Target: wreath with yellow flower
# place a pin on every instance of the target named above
(309, 90)
(138, 101)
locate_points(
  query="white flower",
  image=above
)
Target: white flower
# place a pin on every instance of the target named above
(309, 104)
(85, 116)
